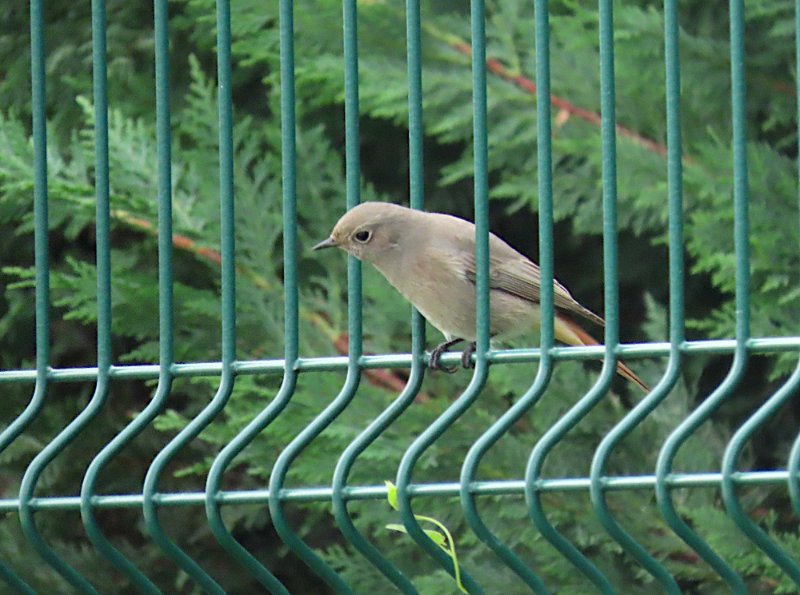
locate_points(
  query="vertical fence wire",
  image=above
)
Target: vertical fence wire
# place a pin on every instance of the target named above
(480, 374)
(41, 223)
(228, 289)
(557, 432)
(291, 316)
(739, 440)
(676, 282)
(103, 264)
(740, 199)
(165, 298)
(414, 382)
(793, 465)
(353, 378)
(41, 258)
(544, 372)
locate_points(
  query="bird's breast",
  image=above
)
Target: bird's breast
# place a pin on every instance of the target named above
(446, 298)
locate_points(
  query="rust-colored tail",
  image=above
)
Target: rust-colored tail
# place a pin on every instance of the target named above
(571, 333)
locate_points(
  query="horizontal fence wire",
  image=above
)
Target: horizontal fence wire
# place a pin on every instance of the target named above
(155, 503)
(761, 346)
(379, 492)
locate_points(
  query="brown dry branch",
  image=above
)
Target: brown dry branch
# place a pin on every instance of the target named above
(496, 67)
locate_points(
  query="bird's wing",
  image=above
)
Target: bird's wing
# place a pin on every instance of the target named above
(512, 273)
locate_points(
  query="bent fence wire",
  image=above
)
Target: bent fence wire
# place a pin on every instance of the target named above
(32, 504)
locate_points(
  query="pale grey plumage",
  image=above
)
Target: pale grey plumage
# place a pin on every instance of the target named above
(430, 259)
(406, 245)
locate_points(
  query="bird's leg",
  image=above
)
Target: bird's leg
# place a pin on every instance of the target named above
(466, 356)
(433, 362)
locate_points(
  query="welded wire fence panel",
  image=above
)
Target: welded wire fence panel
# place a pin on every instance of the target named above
(210, 445)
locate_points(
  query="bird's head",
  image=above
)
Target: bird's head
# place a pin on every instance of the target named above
(370, 231)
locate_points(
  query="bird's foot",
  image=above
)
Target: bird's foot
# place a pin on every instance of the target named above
(466, 356)
(436, 354)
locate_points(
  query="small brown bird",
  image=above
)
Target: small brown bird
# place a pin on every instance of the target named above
(430, 259)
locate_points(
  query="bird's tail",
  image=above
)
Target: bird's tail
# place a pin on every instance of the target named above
(571, 333)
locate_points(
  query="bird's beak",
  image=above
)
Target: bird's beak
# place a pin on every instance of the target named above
(329, 243)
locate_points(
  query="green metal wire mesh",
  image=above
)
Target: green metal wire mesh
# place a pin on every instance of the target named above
(154, 503)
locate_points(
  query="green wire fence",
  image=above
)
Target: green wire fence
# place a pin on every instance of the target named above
(154, 503)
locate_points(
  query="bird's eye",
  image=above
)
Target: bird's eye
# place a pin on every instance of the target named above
(362, 236)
